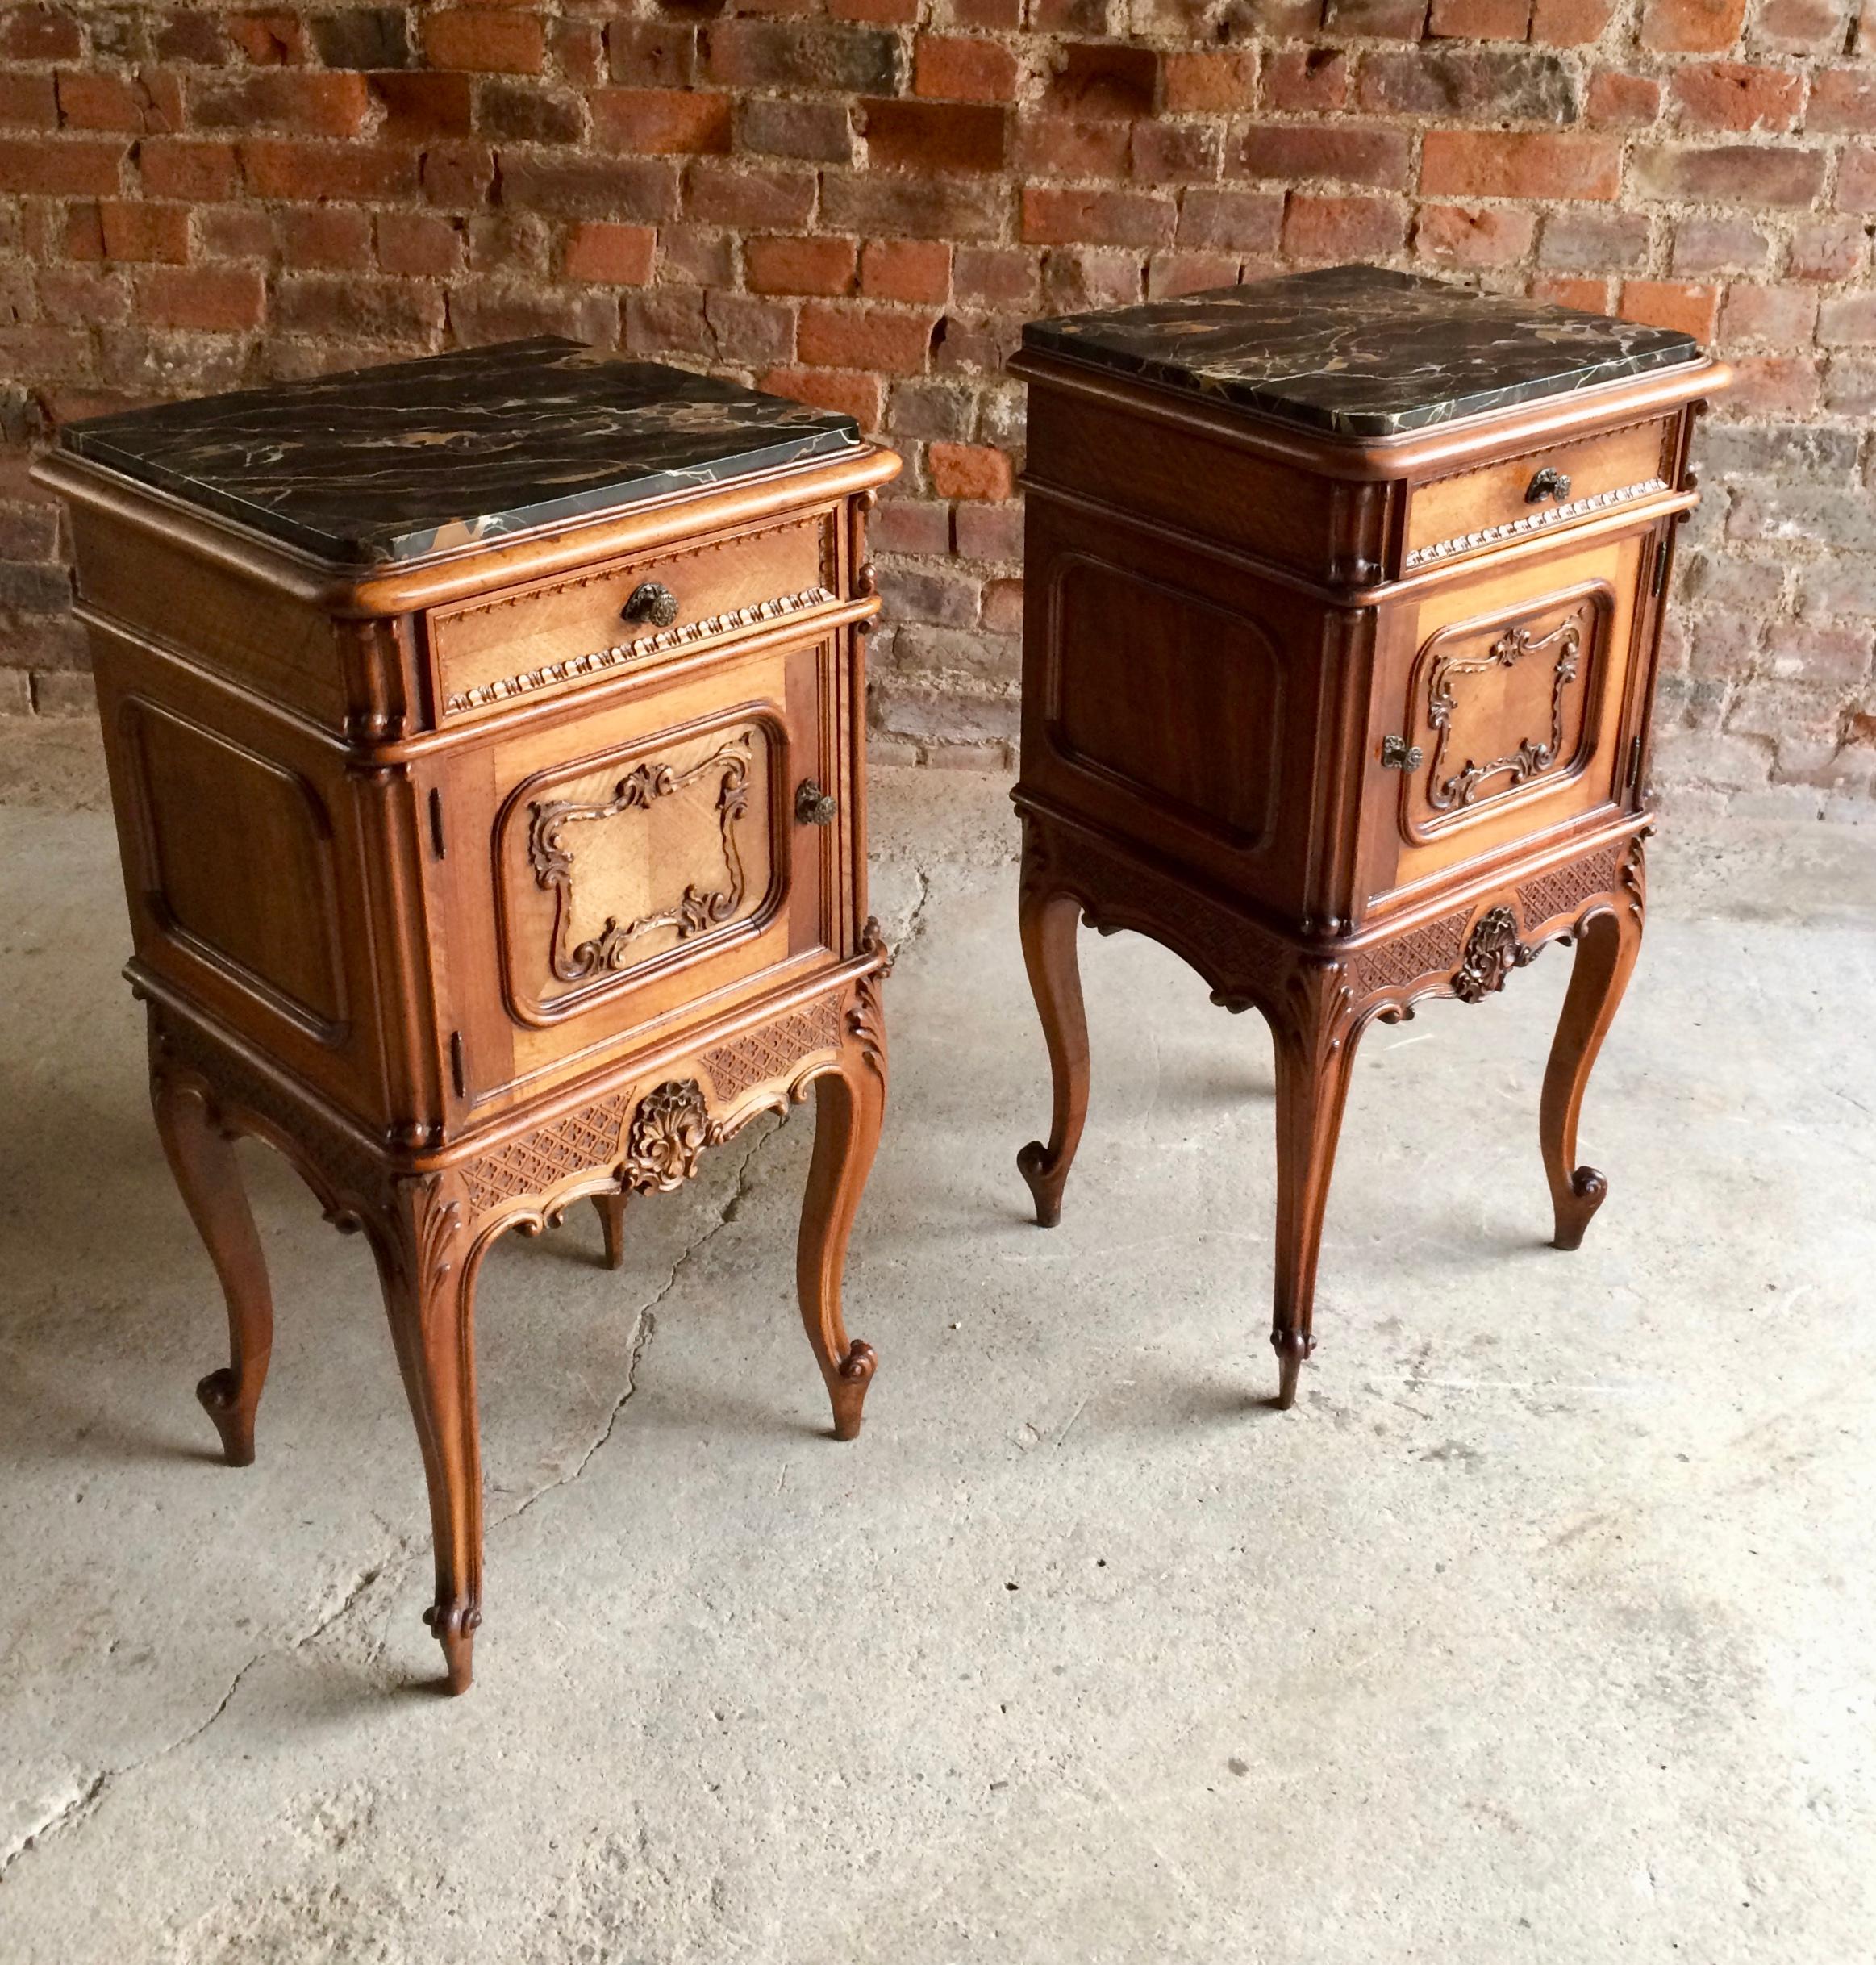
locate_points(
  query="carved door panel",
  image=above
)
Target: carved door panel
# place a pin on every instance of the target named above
(1499, 710)
(631, 867)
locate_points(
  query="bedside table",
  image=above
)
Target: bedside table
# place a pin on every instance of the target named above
(1343, 603)
(486, 740)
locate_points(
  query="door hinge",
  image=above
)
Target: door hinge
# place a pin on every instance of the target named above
(436, 844)
(1635, 760)
(455, 1068)
(1397, 754)
(1660, 578)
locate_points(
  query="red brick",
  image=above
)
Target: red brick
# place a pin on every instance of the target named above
(189, 37)
(833, 337)
(1339, 229)
(816, 266)
(1842, 99)
(40, 34)
(994, 16)
(335, 237)
(1480, 20)
(199, 171)
(304, 173)
(802, 55)
(1103, 78)
(1176, 153)
(55, 170)
(911, 269)
(285, 99)
(488, 43)
(994, 277)
(970, 470)
(118, 229)
(989, 532)
(749, 200)
(1732, 95)
(861, 396)
(1171, 274)
(1847, 320)
(1473, 235)
(268, 40)
(1377, 20)
(1728, 175)
(235, 231)
(963, 70)
(1224, 82)
(28, 103)
(1782, 385)
(421, 105)
(662, 122)
(937, 136)
(1306, 78)
(911, 525)
(80, 294)
(1800, 27)
(1672, 303)
(644, 189)
(881, 13)
(211, 298)
(1622, 101)
(1828, 249)
(1096, 218)
(458, 176)
(419, 244)
(578, 49)
(1054, 147)
(359, 309)
(1691, 27)
(141, 104)
(1784, 316)
(1536, 163)
(654, 54)
(1857, 180)
(1230, 221)
(1569, 23)
(1588, 296)
(1347, 154)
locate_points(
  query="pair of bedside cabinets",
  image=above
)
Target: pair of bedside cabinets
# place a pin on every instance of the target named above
(486, 741)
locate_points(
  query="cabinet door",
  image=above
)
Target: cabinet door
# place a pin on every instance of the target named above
(633, 867)
(1513, 687)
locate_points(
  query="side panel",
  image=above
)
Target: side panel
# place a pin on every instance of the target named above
(1173, 697)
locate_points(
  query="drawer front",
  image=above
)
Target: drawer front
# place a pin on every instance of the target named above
(638, 867)
(549, 636)
(1538, 489)
(1507, 696)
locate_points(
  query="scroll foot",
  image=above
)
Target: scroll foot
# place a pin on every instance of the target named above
(220, 1394)
(1045, 1174)
(1588, 1189)
(852, 1376)
(453, 1625)
(1291, 1347)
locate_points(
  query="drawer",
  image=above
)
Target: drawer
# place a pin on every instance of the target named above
(550, 636)
(1536, 490)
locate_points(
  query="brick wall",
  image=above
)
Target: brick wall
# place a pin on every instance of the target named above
(857, 201)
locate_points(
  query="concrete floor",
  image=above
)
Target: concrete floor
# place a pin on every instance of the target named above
(1544, 1629)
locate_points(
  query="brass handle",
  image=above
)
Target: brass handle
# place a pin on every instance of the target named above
(1550, 483)
(813, 805)
(651, 600)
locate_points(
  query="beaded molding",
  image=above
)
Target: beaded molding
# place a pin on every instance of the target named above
(623, 652)
(1531, 522)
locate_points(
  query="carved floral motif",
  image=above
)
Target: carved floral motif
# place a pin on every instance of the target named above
(1492, 952)
(1533, 754)
(696, 909)
(669, 1132)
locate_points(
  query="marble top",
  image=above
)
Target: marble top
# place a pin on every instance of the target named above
(1360, 353)
(390, 464)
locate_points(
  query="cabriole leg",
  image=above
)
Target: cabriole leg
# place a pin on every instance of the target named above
(1607, 944)
(1049, 919)
(1314, 1041)
(850, 1105)
(611, 1211)
(429, 1275)
(203, 1158)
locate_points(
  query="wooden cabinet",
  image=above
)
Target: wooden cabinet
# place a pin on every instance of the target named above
(1337, 676)
(486, 740)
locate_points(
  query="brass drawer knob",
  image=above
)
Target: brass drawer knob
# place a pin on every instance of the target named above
(1550, 483)
(651, 600)
(813, 805)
